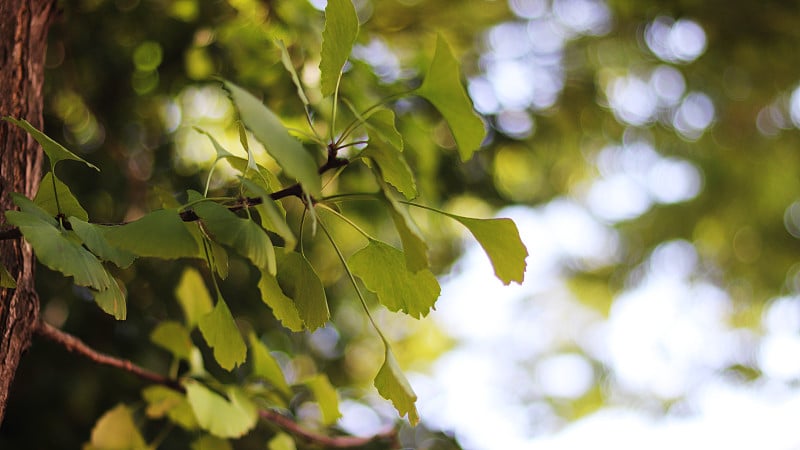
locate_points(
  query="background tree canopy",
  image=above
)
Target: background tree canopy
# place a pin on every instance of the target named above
(669, 127)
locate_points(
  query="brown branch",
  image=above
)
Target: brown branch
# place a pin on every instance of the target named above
(75, 345)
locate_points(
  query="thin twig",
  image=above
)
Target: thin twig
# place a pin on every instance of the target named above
(75, 345)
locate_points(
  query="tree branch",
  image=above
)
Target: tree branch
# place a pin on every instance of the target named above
(75, 345)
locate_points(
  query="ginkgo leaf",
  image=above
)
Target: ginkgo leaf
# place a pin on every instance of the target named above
(272, 217)
(242, 235)
(220, 259)
(327, 398)
(93, 237)
(209, 442)
(159, 234)
(382, 123)
(299, 281)
(338, 37)
(393, 168)
(230, 417)
(384, 272)
(115, 430)
(163, 401)
(288, 152)
(173, 337)
(414, 247)
(283, 307)
(112, 300)
(60, 250)
(281, 441)
(46, 198)
(222, 335)
(55, 152)
(500, 239)
(266, 367)
(26, 205)
(393, 385)
(287, 63)
(193, 296)
(442, 87)
(6, 280)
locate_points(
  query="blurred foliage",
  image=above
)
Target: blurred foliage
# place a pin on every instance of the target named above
(127, 79)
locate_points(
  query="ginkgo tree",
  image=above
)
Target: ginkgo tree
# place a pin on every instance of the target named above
(247, 218)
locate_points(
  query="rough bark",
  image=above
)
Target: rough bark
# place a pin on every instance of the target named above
(23, 39)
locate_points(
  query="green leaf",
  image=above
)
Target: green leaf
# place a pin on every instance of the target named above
(46, 199)
(225, 418)
(221, 333)
(54, 151)
(163, 401)
(281, 441)
(414, 247)
(242, 235)
(272, 218)
(173, 337)
(288, 152)
(327, 398)
(501, 242)
(382, 123)
(6, 280)
(93, 237)
(338, 37)
(112, 300)
(209, 442)
(193, 296)
(27, 206)
(442, 87)
(384, 272)
(159, 234)
(60, 250)
(265, 366)
(287, 63)
(393, 168)
(300, 282)
(283, 307)
(393, 385)
(115, 430)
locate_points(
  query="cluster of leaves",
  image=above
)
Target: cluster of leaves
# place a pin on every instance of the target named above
(251, 222)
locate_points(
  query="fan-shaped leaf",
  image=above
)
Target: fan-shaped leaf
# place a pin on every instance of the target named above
(221, 333)
(173, 337)
(225, 418)
(283, 307)
(159, 234)
(93, 237)
(112, 300)
(281, 441)
(54, 151)
(287, 63)
(338, 37)
(193, 296)
(299, 281)
(116, 430)
(265, 366)
(327, 398)
(163, 401)
(384, 272)
(501, 242)
(382, 123)
(393, 385)
(46, 198)
(414, 247)
(267, 128)
(442, 87)
(209, 442)
(272, 216)
(393, 168)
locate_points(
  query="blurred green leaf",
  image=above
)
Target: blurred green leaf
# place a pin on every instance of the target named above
(283, 307)
(220, 259)
(338, 37)
(163, 401)
(193, 296)
(281, 441)
(287, 63)
(299, 281)
(384, 272)
(93, 237)
(6, 280)
(115, 430)
(221, 333)
(243, 235)
(209, 442)
(326, 396)
(272, 218)
(442, 87)
(393, 385)
(55, 152)
(265, 366)
(112, 300)
(159, 234)
(414, 247)
(46, 198)
(225, 418)
(393, 168)
(173, 337)
(501, 242)
(267, 128)
(382, 123)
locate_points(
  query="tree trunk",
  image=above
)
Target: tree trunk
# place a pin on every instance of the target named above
(23, 40)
